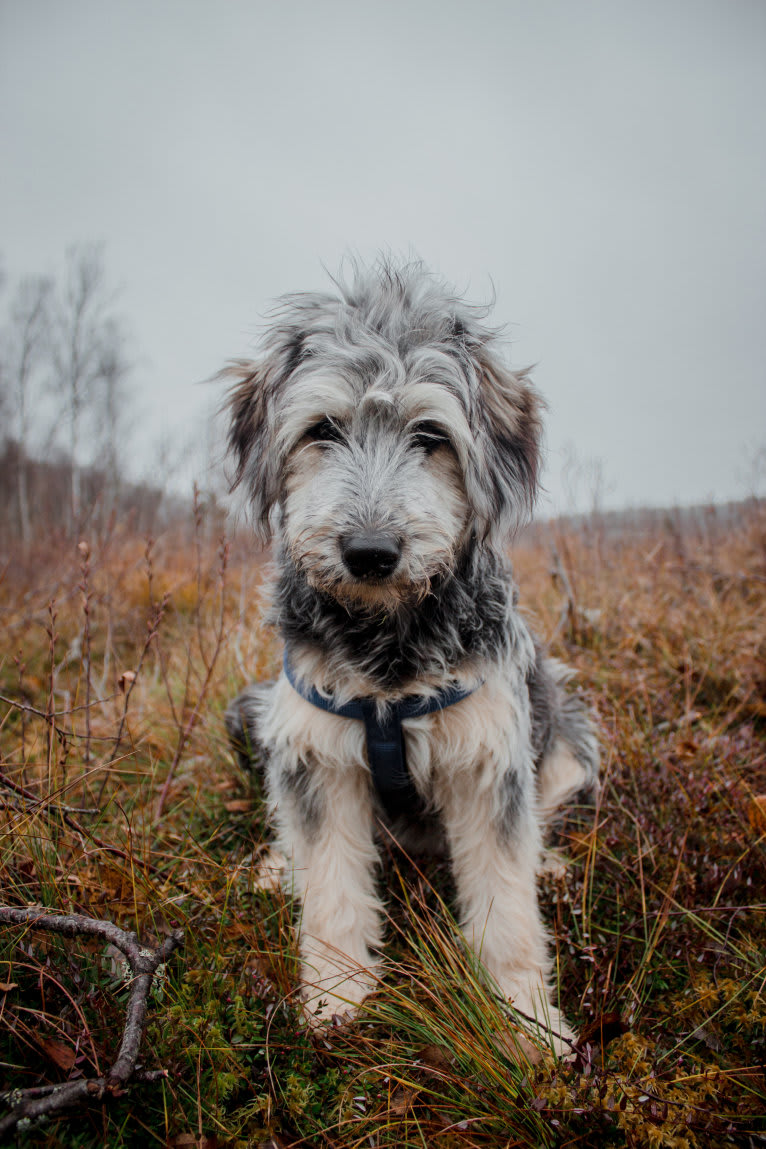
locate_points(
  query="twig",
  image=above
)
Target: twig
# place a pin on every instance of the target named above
(19, 809)
(28, 1105)
(20, 666)
(722, 578)
(152, 628)
(210, 667)
(24, 706)
(73, 823)
(198, 521)
(87, 594)
(50, 716)
(51, 631)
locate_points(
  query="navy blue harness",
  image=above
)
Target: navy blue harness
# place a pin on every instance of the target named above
(385, 740)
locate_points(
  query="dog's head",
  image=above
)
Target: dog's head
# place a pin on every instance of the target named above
(380, 432)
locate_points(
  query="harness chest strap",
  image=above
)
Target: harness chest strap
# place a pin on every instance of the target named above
(385, 740)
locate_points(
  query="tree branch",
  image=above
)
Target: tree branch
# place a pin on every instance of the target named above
(28, 1105)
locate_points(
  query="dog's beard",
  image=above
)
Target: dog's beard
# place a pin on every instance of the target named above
(406, 588)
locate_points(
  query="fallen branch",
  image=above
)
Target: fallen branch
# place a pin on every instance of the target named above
(28, 1105)
(568, 613)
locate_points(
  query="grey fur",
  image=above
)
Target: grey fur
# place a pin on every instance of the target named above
(299, 781)
(513, 798)
(392, 325)
(384, 442)
(241, 719)
(558, 715)
(386, 326)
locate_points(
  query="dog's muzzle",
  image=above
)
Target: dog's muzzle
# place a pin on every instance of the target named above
(371, 556)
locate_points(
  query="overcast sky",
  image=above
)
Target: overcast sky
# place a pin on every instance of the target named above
(600, 165)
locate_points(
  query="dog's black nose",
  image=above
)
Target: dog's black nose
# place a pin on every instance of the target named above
(371, 556)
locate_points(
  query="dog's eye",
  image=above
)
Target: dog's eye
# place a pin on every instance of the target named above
(428, 436)
(325, 431)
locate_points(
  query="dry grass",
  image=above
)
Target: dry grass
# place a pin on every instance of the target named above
(122, 801)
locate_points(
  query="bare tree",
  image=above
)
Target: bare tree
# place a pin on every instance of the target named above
(78, 350)
(26, 347)
(64, 363)
(111, 407)
(3, 368)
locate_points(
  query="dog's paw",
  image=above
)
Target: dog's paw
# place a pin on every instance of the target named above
(270, 872)
(532, 1041)
(553, 865)
(542, 1029)
(335, 997)
(556, 1036)
(328, 1010)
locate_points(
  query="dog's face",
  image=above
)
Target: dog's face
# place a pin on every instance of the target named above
(379, 432)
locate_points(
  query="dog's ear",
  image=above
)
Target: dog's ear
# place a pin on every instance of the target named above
(250, 440)
(255, 404)
(511, 415)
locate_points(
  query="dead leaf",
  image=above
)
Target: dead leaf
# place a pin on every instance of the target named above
(239, 806)
(602, 1030)
(193, 1141)
(435, 1057)
(756, 813)
(401, 1101)
(702, 1033)
(7, 986)
(579, 843)
(61, 1055)
(126, 680)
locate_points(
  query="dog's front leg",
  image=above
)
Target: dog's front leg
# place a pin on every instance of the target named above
(495, 843)
(325, 829)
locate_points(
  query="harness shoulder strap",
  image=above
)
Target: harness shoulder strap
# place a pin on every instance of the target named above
(384, 740)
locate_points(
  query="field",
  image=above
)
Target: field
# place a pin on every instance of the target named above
(120, 801)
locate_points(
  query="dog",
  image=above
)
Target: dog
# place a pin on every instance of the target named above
(383, 441)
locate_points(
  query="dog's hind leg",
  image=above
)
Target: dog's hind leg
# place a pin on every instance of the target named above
(243, 719)
(563, 781)
(565, 741)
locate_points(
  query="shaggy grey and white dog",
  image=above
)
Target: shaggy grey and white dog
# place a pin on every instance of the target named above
(383, 440)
